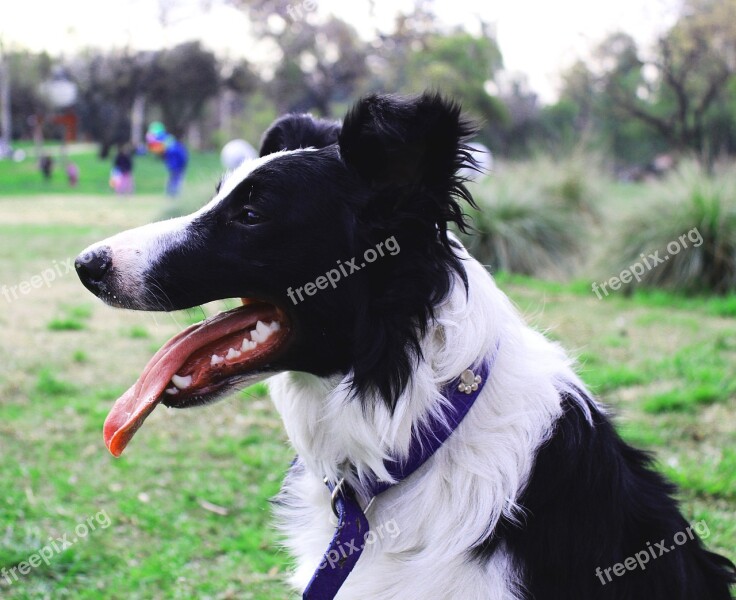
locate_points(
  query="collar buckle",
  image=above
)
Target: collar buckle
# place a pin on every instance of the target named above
(337, 491)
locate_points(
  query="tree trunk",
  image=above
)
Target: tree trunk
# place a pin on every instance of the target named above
(5, 117)
(194, 136)
(225, 110)
(137, 120)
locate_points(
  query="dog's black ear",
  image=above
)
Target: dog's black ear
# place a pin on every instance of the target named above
(407, 152)
(395, 141)
(293, 131)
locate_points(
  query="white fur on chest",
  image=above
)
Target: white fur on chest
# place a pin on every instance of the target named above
(424, 527)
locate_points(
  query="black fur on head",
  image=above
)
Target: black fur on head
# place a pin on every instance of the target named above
(295, 131)
(407, 153)
(389, 173)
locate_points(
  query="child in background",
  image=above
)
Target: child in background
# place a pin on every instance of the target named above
(121, 178)
(46, 164)
(72, 173)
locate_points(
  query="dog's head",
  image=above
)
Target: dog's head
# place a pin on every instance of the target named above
(336, 240)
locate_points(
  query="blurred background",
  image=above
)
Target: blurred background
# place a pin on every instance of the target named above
(607, 133)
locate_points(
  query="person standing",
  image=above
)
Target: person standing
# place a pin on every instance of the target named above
(176, 159)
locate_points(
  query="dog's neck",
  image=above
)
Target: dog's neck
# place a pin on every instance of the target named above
(331, 431)
(471, 481)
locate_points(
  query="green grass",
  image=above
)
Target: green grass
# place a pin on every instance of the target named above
(711, 478)
(604, 378)
(138, 333)
(49, 385)
(721, 306)
(684, 400)
(665, 363)
(24, 178)
(65, 325)
(73, 320)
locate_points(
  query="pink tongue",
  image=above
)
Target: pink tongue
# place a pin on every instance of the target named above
(132, 408)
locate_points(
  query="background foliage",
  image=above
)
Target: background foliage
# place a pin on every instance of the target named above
(637, 151)
(627, 102)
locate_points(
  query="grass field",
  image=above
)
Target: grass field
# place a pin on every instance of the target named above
(25, 179)
(185, 514)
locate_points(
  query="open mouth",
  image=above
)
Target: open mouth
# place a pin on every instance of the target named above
(199, 364)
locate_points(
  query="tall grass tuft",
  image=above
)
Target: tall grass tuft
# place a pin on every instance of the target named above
(533, 216)
(571, 183)
(517, 234)
(696, 205)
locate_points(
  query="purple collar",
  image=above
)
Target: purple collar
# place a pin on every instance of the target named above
(352, 525)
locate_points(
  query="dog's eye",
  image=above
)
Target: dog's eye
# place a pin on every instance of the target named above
(251, 217)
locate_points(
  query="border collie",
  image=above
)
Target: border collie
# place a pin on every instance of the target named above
(405, 378)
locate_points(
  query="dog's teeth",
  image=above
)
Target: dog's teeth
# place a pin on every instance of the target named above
(231, 354)
(274, 325)
(261, 333)
(216, 360)
(248, 345)
(182, 382)
(172, 391)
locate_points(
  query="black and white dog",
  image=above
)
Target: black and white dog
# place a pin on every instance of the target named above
(375, 326)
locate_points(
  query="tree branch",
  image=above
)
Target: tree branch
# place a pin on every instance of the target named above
(664, 127)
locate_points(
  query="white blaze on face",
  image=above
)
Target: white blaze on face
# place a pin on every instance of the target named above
(136, 251)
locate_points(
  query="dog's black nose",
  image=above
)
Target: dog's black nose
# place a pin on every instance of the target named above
(92, 267)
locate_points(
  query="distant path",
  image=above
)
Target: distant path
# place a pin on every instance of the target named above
(55, 149)
(87, 209)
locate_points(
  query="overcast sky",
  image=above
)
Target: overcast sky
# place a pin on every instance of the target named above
(537, 37)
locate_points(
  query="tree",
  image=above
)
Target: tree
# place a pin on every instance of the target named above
(579, 93)
(559, 125)
(109, 85)
(616, 98)
(5, 114)
(238, 81)
(321, 62)
(392, 54)
(460, 65)
(515, 132)
(574, 117)
(690, 68)
(26, 70)
(183, 79)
